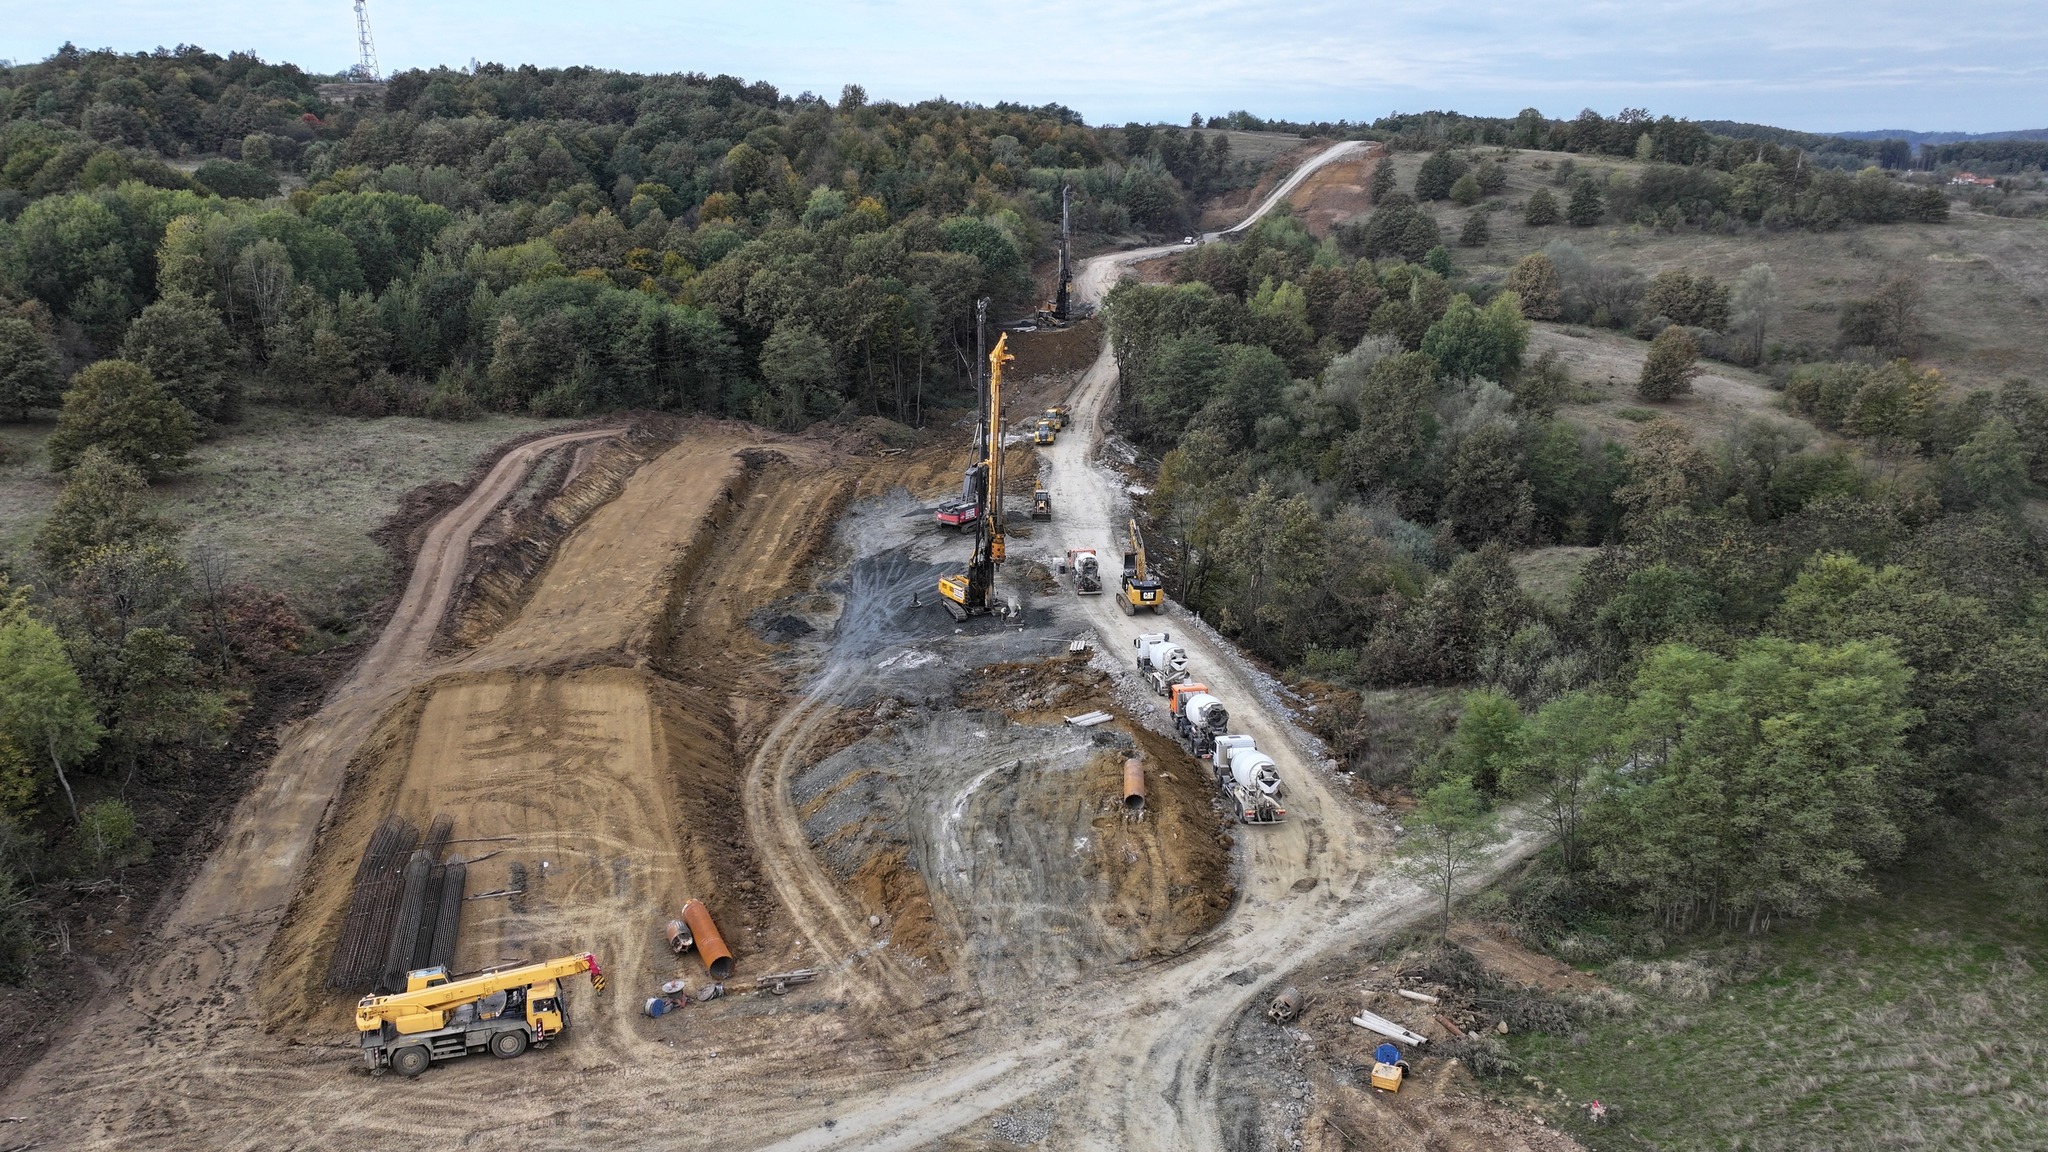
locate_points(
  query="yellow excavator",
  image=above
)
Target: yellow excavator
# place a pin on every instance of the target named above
(439, 1018)
(1141, 588)
(972, 593)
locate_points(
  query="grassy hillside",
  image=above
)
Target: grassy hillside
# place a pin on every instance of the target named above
(1912, 1020)
(1986, 276)
(289, 497)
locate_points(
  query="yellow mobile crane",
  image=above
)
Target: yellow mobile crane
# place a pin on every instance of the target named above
(1141, 588)
(972, 593)
(437, 1018)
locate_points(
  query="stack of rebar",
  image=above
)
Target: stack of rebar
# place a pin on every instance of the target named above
(366, 928)
(405, 910)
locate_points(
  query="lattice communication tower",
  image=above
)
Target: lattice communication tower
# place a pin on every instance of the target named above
(365, 70)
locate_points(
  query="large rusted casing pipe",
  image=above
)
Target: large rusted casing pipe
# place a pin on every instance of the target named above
(1134, 786)
(710, 945)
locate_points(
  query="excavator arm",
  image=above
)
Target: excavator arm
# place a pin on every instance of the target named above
(1141, 590)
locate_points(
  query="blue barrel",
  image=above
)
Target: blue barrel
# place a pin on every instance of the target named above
(659, 1006)
(1387, 1054)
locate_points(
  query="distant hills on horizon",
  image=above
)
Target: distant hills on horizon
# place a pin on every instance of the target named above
(1916, 139)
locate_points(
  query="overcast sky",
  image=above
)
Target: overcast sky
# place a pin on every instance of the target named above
(1970, 65)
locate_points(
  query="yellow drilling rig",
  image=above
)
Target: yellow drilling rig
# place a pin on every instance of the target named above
(972, 593)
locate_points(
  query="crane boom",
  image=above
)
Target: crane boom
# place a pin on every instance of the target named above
(427, 1006)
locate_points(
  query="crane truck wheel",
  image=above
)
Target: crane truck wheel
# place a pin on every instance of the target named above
(410, 1060)
(506, 1045)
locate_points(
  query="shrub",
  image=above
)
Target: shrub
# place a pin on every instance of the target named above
(233, 180)
(1541, 210)
(1485, 1055)
(1671, 365)
(1465, 190)
(105, 837)
(1476, 231)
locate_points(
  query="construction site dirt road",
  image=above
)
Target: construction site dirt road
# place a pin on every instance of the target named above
(628, 728)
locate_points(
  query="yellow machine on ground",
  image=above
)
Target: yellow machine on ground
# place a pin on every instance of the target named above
(1045, 433)
(437, 1018)
(1141, 588)
(1058, 415)
(972, 593)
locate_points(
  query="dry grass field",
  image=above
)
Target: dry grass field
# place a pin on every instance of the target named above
(1986, 276)
(289, 497)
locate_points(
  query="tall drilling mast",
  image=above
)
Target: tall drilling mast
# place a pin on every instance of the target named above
(1059, 300)
(365, 70)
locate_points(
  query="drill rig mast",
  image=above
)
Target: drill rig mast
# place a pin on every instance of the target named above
(972, 593)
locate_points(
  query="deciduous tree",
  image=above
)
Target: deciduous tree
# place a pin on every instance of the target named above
(115, 404)
(1448, 834)
(186, 349)
(1669, 369)
(28, 369)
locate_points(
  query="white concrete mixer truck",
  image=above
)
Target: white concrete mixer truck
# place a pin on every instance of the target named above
(1161, 662)
(1249, 778)
(1198, 716)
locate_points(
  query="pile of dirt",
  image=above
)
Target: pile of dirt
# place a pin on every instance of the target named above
(1333, 194)
(1052, 352)
(1518, 967)
(1035, 691)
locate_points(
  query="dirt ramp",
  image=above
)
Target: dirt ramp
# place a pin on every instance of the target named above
(510, 554)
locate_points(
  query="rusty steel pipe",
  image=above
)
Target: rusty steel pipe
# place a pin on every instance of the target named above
(711, 947)
(1134, 786)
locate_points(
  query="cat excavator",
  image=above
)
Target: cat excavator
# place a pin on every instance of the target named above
(1141, 588)
(972, 593)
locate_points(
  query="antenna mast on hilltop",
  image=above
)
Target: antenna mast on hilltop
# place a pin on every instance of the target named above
(365, 70)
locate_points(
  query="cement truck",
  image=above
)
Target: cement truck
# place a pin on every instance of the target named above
(1086, 569)
(1249, 778)
(1161, 662)
(1199, 717)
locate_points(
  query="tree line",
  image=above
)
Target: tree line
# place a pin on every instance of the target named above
(556, 241)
